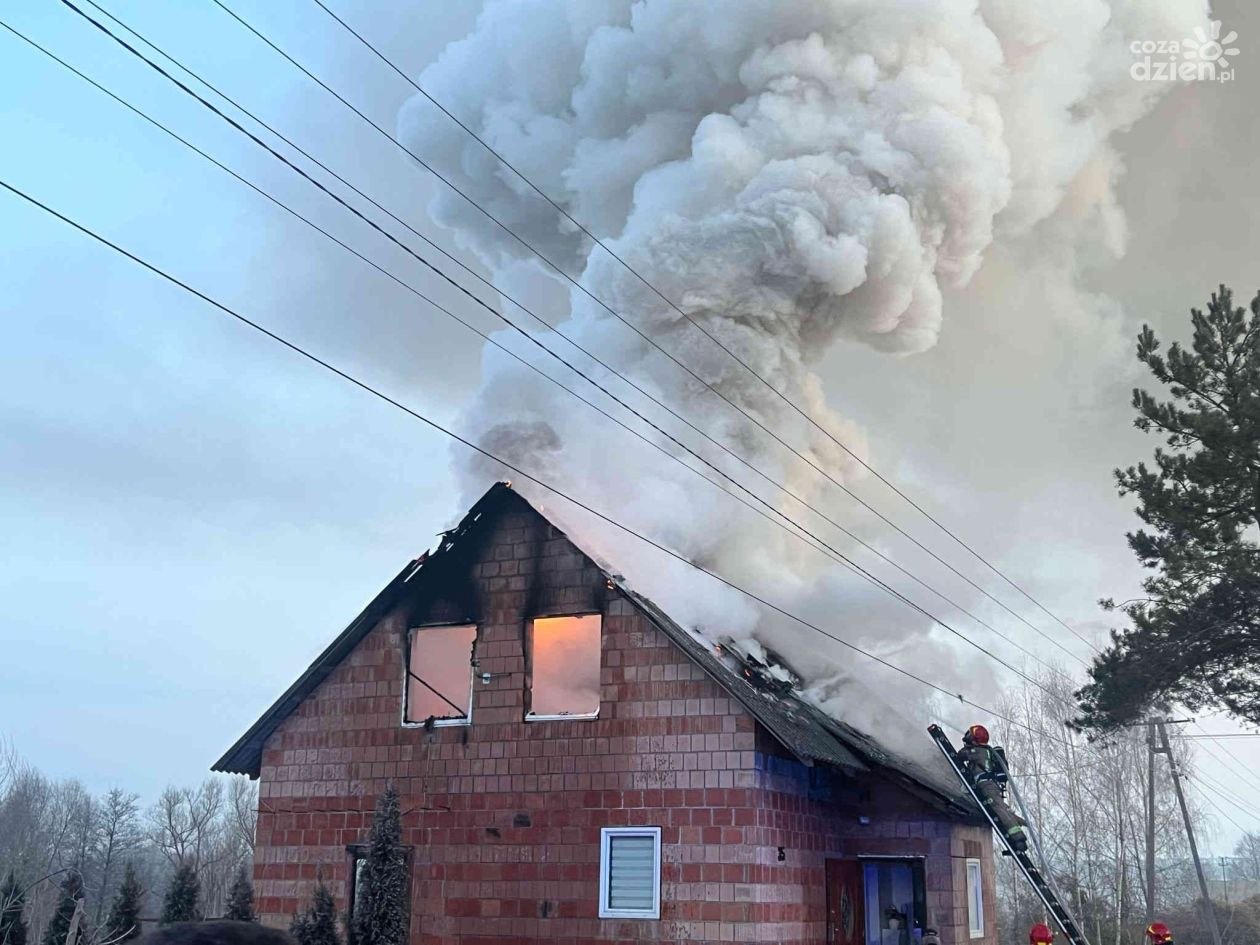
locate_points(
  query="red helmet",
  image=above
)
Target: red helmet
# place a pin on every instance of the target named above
(977, 734)
(1040, 934)
(1159, 933)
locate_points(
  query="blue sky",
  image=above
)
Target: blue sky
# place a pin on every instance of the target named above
(188, 513)
(175, 492)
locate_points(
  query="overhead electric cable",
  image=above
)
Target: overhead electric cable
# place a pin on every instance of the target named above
(830, 551)
(835, 554)
(1215, 737)
(1204, 794)
(1233, 797)
(1229, 760)
(696, 324)
(506, 464)
(706, 384)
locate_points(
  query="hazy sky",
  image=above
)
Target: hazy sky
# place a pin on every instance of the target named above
(188, 513)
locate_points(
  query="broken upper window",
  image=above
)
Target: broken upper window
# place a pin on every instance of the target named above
(439, 675)
(564, 659)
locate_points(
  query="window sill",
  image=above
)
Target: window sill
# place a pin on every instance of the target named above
(628, 914)
(438, 723)
(586, 717)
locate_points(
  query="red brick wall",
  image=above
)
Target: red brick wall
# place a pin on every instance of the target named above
(897, 825)
(504, 816)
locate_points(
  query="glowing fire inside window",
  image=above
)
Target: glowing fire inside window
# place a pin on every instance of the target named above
(564, 666)
(439, 674)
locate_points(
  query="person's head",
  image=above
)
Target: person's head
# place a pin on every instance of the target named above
(1157, 933)
(976, 735)
(1041, 934)
(930, 937)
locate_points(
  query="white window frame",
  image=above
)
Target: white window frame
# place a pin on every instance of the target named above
(406, 677)
(530, 715)
(605, 836)
(975, 898)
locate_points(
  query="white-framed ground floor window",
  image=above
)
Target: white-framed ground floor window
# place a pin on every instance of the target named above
(630, 873)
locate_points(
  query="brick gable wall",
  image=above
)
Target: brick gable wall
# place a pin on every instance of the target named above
(504, 816)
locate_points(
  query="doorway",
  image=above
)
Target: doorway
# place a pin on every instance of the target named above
(875, 901)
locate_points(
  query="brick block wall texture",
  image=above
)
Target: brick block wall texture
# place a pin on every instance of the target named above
(504, 816)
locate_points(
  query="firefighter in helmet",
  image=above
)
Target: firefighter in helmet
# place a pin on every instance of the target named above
(1041, 934)
(1157, 933)
(987, 772)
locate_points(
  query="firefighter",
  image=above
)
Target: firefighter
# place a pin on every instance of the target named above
(980, 763)
(1157, 933)
(930, 937)
(1041, 934)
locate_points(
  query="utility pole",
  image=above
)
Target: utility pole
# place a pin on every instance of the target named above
(1209, 911)
(1150, 823)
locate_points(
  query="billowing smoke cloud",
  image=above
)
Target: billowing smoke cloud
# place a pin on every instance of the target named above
(791, 173)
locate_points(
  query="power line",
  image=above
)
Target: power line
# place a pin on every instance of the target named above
(1218, 737)
(713, 338)
(433, 424)
(1204, 783)
(1216, 807)
(1204, 794)
(831, 551)
(487, 338)
(1229, 759)
(707, 386)
(1033, 776)
(826, 548)
(1233, 797)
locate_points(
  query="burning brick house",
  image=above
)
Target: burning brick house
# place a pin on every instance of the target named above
(575, 767)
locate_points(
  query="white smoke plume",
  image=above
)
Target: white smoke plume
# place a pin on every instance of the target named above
(791, 173)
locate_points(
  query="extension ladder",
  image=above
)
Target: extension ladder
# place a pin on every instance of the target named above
(1044, 888)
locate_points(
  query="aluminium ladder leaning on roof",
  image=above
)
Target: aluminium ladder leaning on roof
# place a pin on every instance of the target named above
(1041, 884)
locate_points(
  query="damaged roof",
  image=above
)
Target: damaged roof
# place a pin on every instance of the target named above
(802, 729)
(805, 730)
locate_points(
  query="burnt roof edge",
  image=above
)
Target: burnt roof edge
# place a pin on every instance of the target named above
(245, 755)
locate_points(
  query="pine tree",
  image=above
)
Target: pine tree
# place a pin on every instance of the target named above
(299, 927)
(240, 904)
(123, 923)
(181, 902)
(1195, 635)
(67, 901)
(12, 902)
(319, 925)
(381, 904)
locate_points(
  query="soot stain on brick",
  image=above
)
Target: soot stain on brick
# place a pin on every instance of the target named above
(537, 533)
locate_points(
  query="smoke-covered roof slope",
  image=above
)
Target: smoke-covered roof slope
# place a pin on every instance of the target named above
(802, 729)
